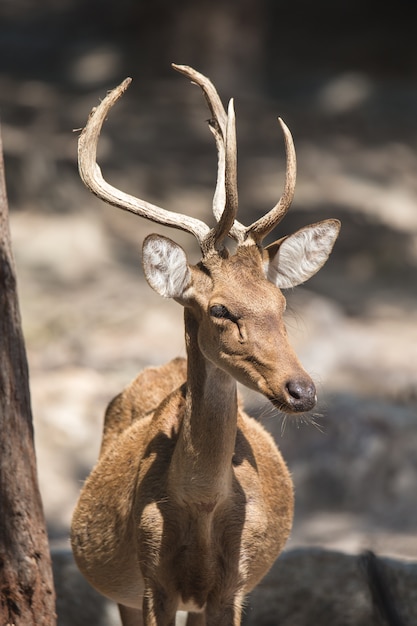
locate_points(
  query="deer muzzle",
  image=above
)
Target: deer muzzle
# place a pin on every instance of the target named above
(298, 396)
(301, 395)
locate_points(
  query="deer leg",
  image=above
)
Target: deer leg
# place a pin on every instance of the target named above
(158, 608)
(229, 615)
(130, 617)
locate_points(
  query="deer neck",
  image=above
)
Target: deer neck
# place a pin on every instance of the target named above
(202, 464)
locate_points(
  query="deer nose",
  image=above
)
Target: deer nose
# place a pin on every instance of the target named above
(301, 395)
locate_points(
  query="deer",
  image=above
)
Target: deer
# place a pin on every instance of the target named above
(191, 502)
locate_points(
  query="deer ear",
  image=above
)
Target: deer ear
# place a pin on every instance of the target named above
(294, 259)
(166, 267)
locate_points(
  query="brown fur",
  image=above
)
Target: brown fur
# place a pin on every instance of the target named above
(246, 533)
(189, 507)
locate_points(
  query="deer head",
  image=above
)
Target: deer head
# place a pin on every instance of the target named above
(234, 301)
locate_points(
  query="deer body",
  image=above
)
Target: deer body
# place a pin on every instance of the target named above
(197, 547)
(191, 502)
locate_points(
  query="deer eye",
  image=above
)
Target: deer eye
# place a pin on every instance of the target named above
(220, 311)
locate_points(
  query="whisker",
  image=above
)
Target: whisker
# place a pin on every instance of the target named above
(267, 411)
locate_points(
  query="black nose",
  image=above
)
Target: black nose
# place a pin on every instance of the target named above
(301, 394)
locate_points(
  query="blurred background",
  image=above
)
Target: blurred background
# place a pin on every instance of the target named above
(343, 77)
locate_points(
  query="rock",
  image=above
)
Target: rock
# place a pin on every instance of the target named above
(78, 604)
(327, 588)
(305, 587)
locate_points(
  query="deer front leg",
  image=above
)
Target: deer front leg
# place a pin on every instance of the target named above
(159, 608)
(224, 615)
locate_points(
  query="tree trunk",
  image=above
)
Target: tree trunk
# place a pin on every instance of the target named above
(27, 594)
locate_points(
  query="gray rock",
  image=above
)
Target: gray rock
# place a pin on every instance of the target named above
(78, 604)
(305, 587)
(326, 588)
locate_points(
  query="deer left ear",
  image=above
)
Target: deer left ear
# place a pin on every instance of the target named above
(166, 267)
(292, 260)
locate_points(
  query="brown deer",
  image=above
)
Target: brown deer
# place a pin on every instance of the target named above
(191, 502)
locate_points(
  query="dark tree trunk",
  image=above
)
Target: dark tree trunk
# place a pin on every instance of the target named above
(26, 587)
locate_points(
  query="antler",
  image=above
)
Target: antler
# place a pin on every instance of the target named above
(260, 229)
(223, 127)
(90, 173)
(225, 200)
(227, 184)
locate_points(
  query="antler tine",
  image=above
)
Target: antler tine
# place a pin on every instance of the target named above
(218, 124)
(219, 198)
(223, 127)
(92, 177)
(226, 187)
(210, 93)
(230, 202)
(259, 229)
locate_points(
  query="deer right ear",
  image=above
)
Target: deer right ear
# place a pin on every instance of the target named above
(166, 267)
(294, 259)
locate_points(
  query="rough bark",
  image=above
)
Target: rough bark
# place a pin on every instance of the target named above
(26, 587)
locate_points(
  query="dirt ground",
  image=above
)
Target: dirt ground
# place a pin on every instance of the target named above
(91, 322)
